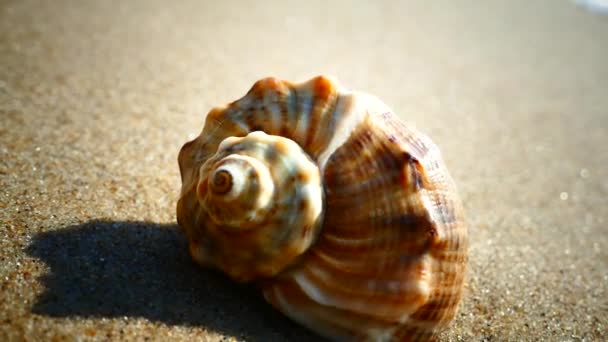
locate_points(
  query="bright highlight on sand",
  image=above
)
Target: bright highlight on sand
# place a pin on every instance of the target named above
(599, 6)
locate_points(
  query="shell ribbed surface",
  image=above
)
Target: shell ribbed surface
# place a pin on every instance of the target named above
(260, 203)
(388, 254)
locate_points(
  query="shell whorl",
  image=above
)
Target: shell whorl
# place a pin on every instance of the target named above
(384, 251)
(265, 193)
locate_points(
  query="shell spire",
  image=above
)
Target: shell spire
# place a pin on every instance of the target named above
(346, 217)
(260, 199)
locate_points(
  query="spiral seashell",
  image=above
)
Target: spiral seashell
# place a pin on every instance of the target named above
(346, 218)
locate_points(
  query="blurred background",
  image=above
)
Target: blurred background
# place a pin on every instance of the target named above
(97, 97)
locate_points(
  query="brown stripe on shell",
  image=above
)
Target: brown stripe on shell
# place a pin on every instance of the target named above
(379, 223)
(390, 206)
(339, 325)
(346, 219)
(391, 297)
(290, 113)
(411, 333)
(375, 171)
(345, 243)
(445, 206)
(418, 145)
(324, 100)
(386, 278)
(307, 114)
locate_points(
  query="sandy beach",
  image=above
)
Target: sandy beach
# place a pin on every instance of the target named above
(97, 97)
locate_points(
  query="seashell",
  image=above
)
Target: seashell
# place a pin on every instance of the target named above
(346, 218)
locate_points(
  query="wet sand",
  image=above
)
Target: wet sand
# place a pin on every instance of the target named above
(96, 98)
